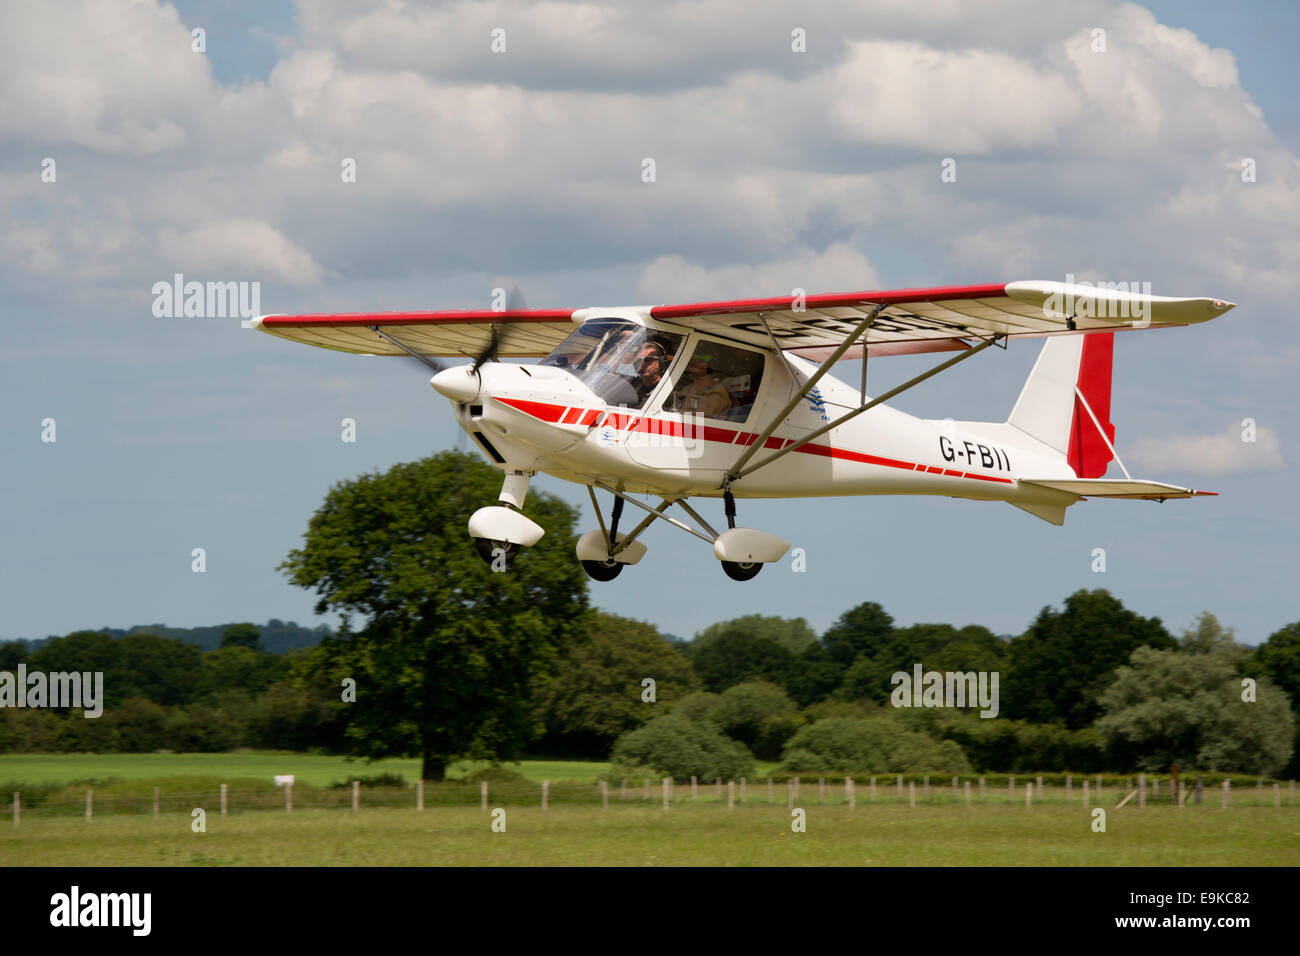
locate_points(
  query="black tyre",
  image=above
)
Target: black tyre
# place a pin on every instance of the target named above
(741, 572)
(602, 570)
(487, 549)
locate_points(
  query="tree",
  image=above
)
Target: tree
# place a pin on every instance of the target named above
(1064, 661)
(161, 669)
(597, 693)
(793, 634)
(865, 629)
(1279, 657)
(675, 746)
(239, 666)
(759, 715)
(875, 745)
(445, 663)
(1167, 707)
(242, 635)
(734, 658)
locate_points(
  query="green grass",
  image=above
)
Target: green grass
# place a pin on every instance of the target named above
(315, 769)
(703, 833)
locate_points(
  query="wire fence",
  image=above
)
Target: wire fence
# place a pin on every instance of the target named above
(909, 789)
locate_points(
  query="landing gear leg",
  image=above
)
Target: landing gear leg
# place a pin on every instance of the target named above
(501, 532)
(736, 570)
(608, 569)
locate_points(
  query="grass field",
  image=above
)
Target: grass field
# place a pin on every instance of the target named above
(316, 769)
(687, 834)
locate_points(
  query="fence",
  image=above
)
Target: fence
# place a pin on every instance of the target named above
(850, 791)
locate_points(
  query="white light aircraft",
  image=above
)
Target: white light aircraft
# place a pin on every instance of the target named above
(733, 400)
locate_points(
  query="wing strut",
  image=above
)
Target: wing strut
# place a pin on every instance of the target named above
(779, 419)
(737, 472)
(407, 349)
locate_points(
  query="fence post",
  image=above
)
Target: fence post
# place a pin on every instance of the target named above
(483, 794)
(668, 783)
(1099, 788)
(769, 789)
(1069, 787)
(155, 803)
(645, 782)
(731, 794)
(356, 795)
(852, 789)
(927, 786)
(968, 793)
(1011, 789)
(789, 791)
(718, 782)
(911, 793)
(419, 794)
(224, 799)
(1040, 786)
(1290, 793)
(90, 803)
(1029, 794)
(796, 790)
(1277, 796)
(1227, 787)
(1142, 790)
(821, 789)
(1200, 786)
(954, 786)
(1155, 789)
(693, 789)
(898, 778)
(288, 798)
(743, 781)
(18, 807)
(546, 793)
(873, 789)
(981, 788)
(1085, 793)
(604, 795)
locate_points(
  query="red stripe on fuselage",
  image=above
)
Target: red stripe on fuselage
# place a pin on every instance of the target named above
(667, 426)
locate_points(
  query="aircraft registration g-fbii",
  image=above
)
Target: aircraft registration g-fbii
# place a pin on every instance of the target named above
(734, 400)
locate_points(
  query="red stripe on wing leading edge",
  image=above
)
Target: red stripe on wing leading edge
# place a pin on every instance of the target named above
(831, 299)
(553, 413)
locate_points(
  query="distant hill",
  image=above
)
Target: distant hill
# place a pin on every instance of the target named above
(277, 636)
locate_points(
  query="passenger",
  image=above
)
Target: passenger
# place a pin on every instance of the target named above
(703, 394)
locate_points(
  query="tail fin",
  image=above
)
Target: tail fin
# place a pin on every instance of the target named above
(1049, 408)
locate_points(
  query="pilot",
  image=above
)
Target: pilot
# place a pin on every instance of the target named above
(650, 365)
(703, 393)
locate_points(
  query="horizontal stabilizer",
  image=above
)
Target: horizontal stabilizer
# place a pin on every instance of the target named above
(1114, 488)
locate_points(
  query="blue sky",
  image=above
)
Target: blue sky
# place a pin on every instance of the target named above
(776, 170)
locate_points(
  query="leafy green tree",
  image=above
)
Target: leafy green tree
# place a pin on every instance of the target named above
(814, 675)
(760, 715)
(674, 746)
(12, 653)
(238, 665)
(596, 694)
(793, 634)
(161, 669)
(876, 745)
(863, 630)
(696, 706)
(449, 651)
(1060, 665)
(242, 635)
(936, 647)
(87, 651)
(1279, 657)
(1167, 707)
(734, 658)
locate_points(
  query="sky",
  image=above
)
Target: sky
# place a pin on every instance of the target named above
(1162, 150)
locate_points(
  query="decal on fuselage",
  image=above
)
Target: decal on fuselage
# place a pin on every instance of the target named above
(971, 453)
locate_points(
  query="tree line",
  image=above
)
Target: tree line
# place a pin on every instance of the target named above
(441, 657)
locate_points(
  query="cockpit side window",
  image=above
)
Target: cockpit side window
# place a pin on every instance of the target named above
(719, 381)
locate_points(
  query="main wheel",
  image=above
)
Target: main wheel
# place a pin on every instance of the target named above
(487, 549)
(606, 570)
(741, 572)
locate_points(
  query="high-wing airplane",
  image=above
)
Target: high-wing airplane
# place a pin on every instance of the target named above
(733, 400)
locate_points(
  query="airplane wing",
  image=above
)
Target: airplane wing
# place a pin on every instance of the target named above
(524, 333)
(946, 319)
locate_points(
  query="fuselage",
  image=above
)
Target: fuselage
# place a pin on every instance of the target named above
(585, 416)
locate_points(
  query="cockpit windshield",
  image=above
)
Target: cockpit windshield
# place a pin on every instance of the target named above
(620, 361)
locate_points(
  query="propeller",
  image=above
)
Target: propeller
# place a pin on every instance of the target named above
(514, 301)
